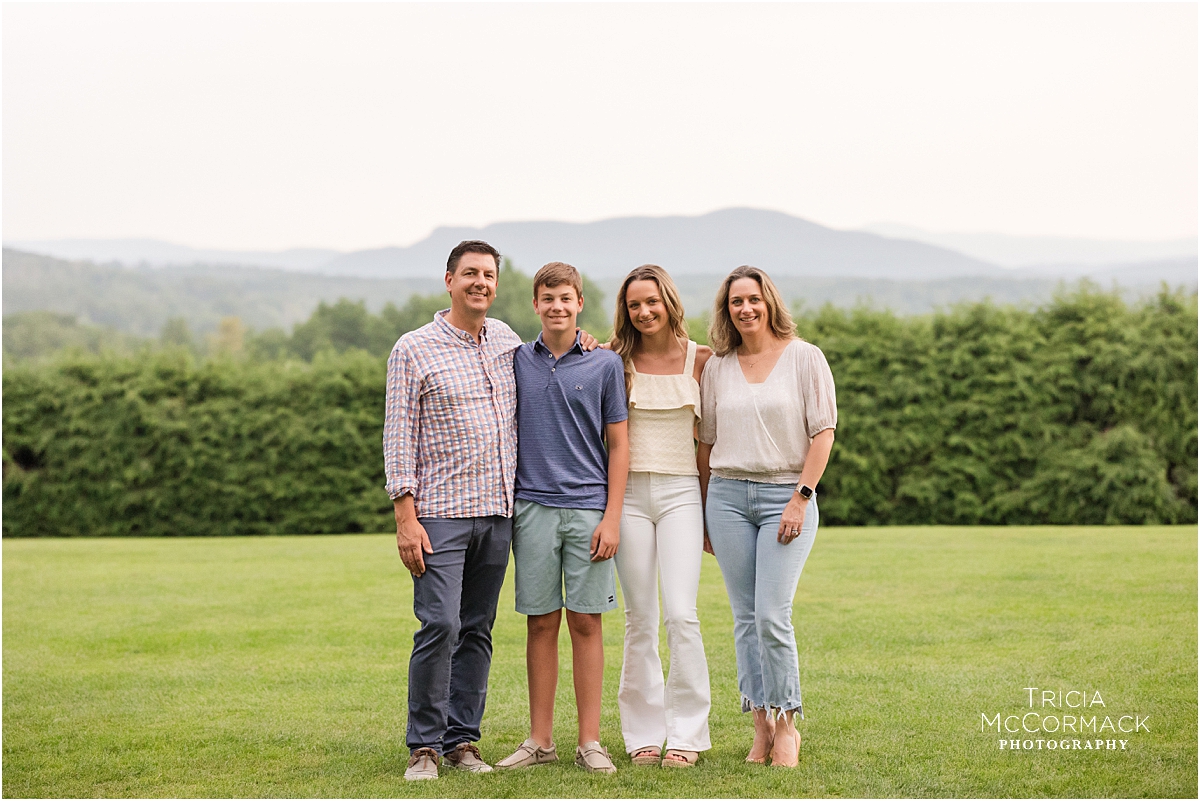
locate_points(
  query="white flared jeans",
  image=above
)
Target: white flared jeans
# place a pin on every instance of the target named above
(662, 542)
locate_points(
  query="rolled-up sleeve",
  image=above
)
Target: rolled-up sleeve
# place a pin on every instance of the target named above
(708, 403)
(816, 387)
(401, 422)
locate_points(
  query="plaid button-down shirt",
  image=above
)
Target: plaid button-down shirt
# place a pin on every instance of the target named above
(450, 431)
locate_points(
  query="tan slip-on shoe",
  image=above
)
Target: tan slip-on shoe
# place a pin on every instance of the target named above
(527, 755)
(465, 756)
(594, 758)
(422, 765)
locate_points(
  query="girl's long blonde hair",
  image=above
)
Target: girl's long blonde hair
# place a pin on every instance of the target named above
(626, 337)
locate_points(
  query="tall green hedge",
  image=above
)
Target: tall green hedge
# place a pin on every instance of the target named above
(166, 446)
(1083, 411)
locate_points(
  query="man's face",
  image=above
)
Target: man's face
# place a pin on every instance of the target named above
(472, 286)
(558, 306)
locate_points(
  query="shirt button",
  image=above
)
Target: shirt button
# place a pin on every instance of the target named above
(552, 369)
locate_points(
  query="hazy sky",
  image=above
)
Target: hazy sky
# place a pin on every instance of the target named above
(353, 126)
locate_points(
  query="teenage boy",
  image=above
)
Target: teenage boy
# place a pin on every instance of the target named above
(450, 455)
(566, 528)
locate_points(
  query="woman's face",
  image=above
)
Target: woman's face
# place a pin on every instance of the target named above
(645, 307)
(747, 308)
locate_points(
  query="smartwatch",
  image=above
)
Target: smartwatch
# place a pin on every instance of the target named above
(806, 492)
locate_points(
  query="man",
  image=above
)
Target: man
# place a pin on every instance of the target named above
(569, 491)
(450, 452)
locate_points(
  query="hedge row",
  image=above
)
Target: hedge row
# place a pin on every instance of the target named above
(165, 446)
(1083, 411)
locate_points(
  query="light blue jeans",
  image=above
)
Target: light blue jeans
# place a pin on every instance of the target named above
(761, 577)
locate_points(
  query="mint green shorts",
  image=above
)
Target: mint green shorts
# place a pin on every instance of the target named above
(552, 550)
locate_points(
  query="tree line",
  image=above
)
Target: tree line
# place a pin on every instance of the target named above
(340, 326)
(1081, 411)
(142, 301)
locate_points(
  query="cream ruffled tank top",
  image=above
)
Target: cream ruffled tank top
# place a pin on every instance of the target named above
(662, 412)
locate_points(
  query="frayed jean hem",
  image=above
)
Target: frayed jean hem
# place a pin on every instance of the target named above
(750, 706)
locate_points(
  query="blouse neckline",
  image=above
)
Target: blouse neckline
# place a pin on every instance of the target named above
(742, 372)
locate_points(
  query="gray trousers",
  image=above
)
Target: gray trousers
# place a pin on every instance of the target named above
(455, 600)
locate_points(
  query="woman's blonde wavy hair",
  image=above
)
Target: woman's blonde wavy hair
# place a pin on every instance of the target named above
(625, 335)
(723, 335)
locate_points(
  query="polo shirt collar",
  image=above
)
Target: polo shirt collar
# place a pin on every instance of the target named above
(538, 344)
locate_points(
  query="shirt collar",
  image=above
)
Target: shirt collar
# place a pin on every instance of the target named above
(440, 320)
(538, 344)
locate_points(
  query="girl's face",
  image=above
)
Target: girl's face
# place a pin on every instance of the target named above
(747, 308)
(645, 307)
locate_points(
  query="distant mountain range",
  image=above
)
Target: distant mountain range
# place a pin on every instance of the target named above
(156, 253)
(1064, 253)
(140, 300)
(711, 244)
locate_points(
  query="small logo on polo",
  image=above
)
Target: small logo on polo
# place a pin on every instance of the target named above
(611, 598)
(578, 386)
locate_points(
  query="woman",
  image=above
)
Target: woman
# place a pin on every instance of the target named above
(662, 525)
(766, 429)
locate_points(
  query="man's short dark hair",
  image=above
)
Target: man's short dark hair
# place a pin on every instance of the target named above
(470, 246)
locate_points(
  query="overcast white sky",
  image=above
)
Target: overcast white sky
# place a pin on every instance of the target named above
(353, 126)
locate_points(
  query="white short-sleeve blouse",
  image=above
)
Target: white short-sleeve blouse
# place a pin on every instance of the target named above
(761, 432)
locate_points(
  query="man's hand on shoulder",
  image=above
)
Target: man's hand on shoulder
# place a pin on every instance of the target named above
(412, 541)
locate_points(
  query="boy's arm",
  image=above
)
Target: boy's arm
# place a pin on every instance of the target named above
(607, 536)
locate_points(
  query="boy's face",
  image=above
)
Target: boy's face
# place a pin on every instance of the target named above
(558, 306)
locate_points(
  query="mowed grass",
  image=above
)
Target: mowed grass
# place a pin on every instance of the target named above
(277, 667)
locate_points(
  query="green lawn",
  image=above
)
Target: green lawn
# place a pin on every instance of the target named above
(277, 667)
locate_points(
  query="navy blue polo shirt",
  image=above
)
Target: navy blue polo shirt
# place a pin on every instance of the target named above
(563, 406)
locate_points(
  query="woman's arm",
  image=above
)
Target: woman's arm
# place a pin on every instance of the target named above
(814, 467)
(703, 452)
(703, 354)
(708, 403)
(817, 459)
